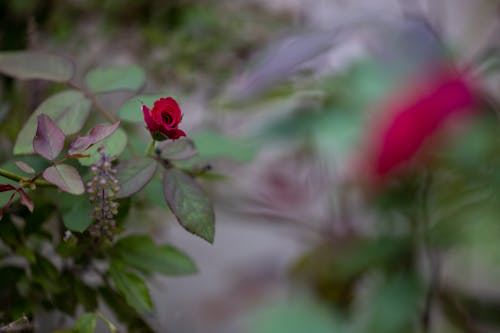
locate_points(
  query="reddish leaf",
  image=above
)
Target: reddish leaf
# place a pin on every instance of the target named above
(6, 187)
(49, 139)
(26, 200)
(65, 177)
(96, 134)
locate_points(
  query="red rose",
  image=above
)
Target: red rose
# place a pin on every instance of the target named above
(163, 119)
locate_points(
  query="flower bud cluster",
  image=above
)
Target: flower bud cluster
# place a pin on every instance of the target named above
(102, 190)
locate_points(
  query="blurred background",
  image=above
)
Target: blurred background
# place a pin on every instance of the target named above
(280, 97)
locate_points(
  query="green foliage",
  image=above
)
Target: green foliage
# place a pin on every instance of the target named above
(134, 174)
(84, 219)
(36, 65)
(141, 253)
(68, 109)
(132, 288)
(109, 79)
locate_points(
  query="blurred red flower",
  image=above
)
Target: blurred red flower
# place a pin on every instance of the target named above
(416, 114)
(162, 121)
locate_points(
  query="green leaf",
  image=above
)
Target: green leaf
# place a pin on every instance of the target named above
(69, 109)
(86, 323)
(114, 145)
(141, 253)
(134, 174)
(65, 177)
(189, 204)
(132, 109)
(132, 288)
(36, 65)
(180, 149)
(212, 144)
(75, 213)
(107, 79)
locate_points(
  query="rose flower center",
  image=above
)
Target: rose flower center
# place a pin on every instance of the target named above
(167, 118)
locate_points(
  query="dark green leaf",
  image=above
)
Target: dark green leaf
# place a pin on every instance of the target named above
(134, 174)
(75, 213)
(86, 295)
(141, 253)
(132, 288)
(107, 79)
(65, 177)
(49, 139)
(124, 312)
(69, 109)
(189, 204)
(86, 323)
(36, 65)
(180, 149)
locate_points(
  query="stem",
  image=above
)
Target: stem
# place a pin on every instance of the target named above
(151, 148)
(12, 176)
(109, 117)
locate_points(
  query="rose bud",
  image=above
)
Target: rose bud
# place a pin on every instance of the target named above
(162, 121)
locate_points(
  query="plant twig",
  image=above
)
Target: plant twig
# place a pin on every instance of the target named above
(12, 176)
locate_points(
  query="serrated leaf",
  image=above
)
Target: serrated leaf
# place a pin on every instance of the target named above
(49, 139)
(140, 252)
(131, 287)
(65, 177)
(131, 109)
(189, 204)
(96, 134)
(25, 167)
(76, 214)
(107, 79)
(180, 149)
(113, 145)
(86, 323)
(134, 174)
(36, 65)
(69, 109)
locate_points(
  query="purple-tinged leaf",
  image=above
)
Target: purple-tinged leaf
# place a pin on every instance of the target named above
(134, 174)
(6, 187)
(189, 203)
(65, 177)
(49, 139)
(26, 200)
(25, 167)
(96, 134)
(180, 149)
